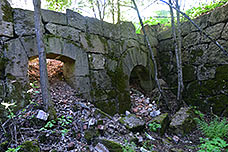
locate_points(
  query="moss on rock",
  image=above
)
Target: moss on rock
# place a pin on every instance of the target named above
(7, 12)
(30, 146)
(90, 135)
(112, 145)
(189, 73)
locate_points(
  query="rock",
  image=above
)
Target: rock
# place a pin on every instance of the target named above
(163, 120)
(101, 148)
(183, 121)
(6, 19)
(112, 146)
(93, 43)
(97, 61)
(76, 20)
(219, 15)
(54, 17)
(132, 122)
(63, 31)
(127, 30)
(94, 26)
(24, 22)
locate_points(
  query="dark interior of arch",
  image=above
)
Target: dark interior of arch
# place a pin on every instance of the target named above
(59, 68)
(140, 79)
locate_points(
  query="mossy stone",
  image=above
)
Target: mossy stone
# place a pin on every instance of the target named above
(30, 146)
(189, 73)
(183, 121)
(108, 106)
(90, 135)
(163, 120)
(219, 104)
(120, 81)
(7, 12)
(112, 145)
(221, 73)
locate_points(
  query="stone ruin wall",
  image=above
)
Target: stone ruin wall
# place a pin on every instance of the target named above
(98, 56)
(205, 67)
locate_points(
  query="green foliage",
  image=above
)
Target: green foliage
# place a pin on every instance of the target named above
(148, 146)
(154, 126)
(162, 17)
(128, 147)
(14, 149)
(58, 5)
(204, 8)
(214, 129)
(62, 121)
(213, 145)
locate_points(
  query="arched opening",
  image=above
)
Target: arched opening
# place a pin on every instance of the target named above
(141, 79)
(60, 68)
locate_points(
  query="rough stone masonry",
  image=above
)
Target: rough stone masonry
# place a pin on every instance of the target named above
(98, 56)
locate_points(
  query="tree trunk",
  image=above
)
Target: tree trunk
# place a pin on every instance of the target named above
(118, 11)
(152, 56)
(179, 64)
(42, 60)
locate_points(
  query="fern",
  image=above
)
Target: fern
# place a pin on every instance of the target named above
(214, 129)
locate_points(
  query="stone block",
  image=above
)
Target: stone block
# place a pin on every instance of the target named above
(93, 43)
(101, 79)
(111, 30)
(205, 73)
(54, 17)
(24, 22)
(127, 30)
(214, 31)
(17, 56)
(96, 61)
(82, 85)
(219, 15)
(76, 20)
(6, 19)
(165, 35)
(30, 46)
(183, 121)
(53, 44)
(94, 26)
(63, 31)
(132, 122)
(81, 63)
(225, 32)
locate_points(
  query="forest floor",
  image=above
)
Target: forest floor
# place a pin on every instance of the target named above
(80, 125)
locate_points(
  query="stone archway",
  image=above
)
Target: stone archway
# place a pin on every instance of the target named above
(141, 76)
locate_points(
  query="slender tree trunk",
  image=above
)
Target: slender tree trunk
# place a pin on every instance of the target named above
(152, 56)
(113, 11)
(118, 11)
(179, 66)
(42, 59)
(176, 52)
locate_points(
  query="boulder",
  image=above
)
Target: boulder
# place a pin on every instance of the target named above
(183, 121)
(163, 120)
(132, 122)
